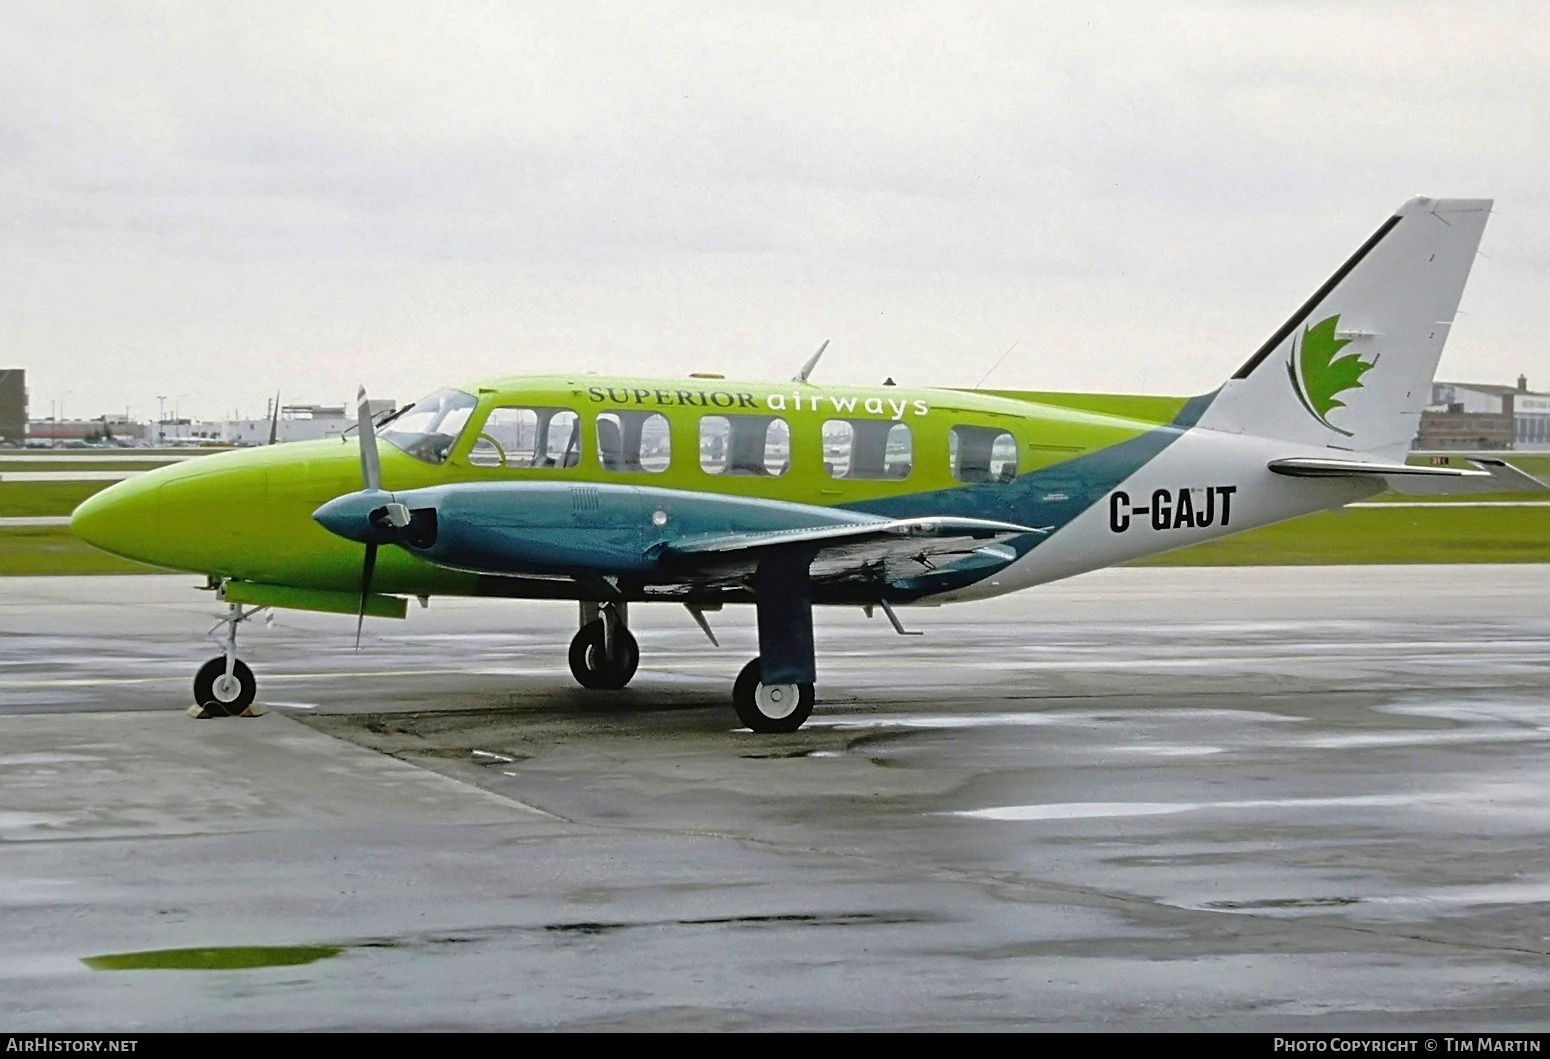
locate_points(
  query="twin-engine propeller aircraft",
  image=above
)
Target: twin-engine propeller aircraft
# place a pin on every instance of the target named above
(704, 491)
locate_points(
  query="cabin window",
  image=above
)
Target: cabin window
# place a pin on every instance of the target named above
(982, 454)
(427, 428)
(528, 437)
(867, 448)
(634, 442)
(756, 445)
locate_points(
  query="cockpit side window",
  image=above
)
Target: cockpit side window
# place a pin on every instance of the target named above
(428, 428)
(518, 437)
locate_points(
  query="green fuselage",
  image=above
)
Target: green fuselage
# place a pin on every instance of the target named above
(248, 515)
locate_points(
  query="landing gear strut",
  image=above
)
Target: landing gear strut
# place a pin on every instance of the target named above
(774, 692)
(604, 653)
(224, 686)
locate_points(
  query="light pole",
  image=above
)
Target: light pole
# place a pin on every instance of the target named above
(161, 419)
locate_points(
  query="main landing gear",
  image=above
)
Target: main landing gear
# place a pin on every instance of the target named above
(774, 692)
(770, 707)
(224, 686)
(604, 654)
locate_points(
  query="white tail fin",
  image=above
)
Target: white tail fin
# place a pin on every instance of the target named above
(1352, 368)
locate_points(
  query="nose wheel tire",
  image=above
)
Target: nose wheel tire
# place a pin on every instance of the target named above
(220, 694)
(590, 663)
(770, 708)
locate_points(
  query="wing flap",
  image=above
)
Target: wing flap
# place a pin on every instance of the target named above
(933, 528)
(886, 549)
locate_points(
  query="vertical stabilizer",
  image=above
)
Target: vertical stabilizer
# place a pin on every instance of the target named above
(1352, 368)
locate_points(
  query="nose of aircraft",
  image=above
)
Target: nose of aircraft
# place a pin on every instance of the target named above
(121, 519)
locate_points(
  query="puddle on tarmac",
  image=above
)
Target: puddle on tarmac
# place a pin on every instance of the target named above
(832, 919)
(1040, 718)
(1515, 892)
(45, 758)
(1085, 810)
(252, 957)
(230, 958)
(796, 754)
(1272, 904)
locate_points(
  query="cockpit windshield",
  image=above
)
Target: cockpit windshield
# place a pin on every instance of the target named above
(427, 428)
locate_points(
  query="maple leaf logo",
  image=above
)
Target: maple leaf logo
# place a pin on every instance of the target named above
(1319, 375)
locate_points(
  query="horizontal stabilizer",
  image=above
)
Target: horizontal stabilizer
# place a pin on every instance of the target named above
(1485, 475)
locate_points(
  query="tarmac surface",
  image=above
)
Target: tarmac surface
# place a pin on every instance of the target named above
(1273, 799)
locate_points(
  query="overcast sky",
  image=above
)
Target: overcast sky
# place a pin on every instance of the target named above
(210, 201)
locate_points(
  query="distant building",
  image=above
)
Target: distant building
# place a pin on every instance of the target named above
(13, 405)
(1531, 417)
(1467, 415)
(108, 429)
(299, 422)
(302, 422)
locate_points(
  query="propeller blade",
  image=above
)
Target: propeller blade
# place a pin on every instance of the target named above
(371, 467)
(274, 422)
(367, 568)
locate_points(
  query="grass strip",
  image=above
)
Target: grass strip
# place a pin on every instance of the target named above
(34, 499)
(55, 550)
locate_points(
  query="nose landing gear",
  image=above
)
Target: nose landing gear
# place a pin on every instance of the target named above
(225, 686)
(222, 694)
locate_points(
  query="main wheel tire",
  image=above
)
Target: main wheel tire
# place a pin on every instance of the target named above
(594, 669)
(770, 708)
(220, 695)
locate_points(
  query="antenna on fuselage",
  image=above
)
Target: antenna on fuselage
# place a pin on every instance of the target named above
(807, 369)
(996, 365)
